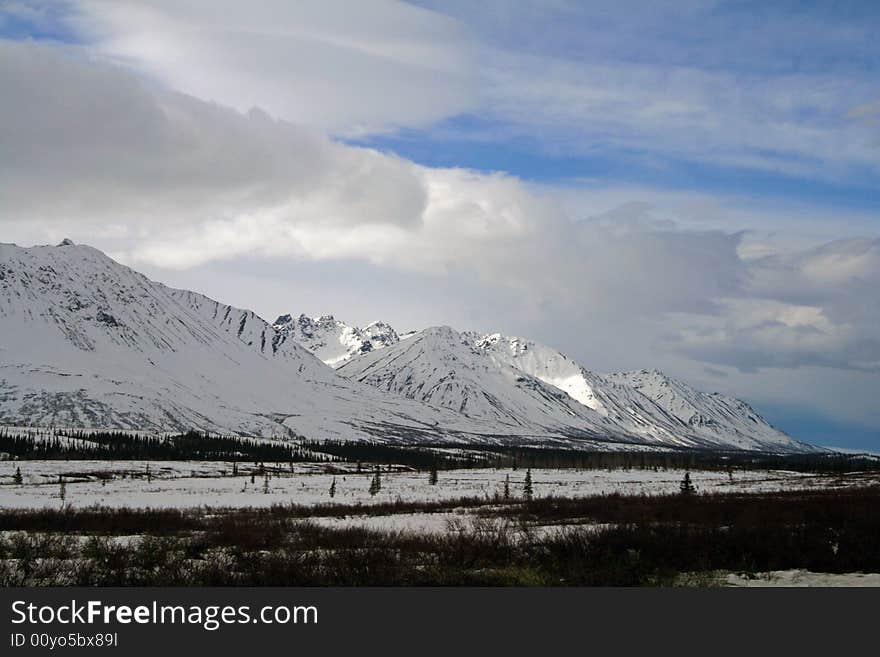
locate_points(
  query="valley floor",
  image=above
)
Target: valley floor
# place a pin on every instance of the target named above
(214, 523)
(185, 484)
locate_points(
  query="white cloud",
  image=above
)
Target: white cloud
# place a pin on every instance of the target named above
(349, 67)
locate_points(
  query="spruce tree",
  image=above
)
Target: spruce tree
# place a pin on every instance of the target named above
(376, 483)
(432, 476)
(687, 487)
(62, 488)
(527, 486)
(506, 487)
(333, 488)
(17, 478)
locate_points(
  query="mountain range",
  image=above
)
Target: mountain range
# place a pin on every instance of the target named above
(87, 342)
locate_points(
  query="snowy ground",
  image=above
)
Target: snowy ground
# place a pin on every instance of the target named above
(419, 523)
(803, 578)
(189, 484)
(194, 484)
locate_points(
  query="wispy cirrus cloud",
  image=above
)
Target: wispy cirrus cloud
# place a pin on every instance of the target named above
(791, 124)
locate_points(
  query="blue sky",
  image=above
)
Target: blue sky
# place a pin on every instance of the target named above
(821, 430)
(688, 185)
(751, 40)
(49, 24)
(451, 145)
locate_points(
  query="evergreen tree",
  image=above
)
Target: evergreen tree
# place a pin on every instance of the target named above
(266, 483)
(333, 488)
(527, 485)
(62, 488)
(432, 476)
(376, 483)
(506, 487)
(17, 478)
(235, 468)
(687, 487)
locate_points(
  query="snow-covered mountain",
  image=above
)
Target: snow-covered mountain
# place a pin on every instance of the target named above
(544, 363)
(714, 417)
(87, 342)
(445, 368)
(625, 408)
(521, 383)
(332, 341)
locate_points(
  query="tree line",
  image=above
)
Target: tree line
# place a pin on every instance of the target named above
(198, 446)
(119, 445)
(427, 457)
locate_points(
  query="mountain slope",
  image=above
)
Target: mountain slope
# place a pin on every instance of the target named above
(87, 342)
(519, 383)
(627, 410)
(442, 367)
(711, 416)
(646, 403)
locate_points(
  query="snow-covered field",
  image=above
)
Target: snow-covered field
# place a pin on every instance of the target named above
(193, 484)
(803, 578)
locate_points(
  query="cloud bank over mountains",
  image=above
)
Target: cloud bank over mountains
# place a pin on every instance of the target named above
(176, 141)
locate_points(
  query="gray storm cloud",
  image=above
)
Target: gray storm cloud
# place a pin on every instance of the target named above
(91, 142)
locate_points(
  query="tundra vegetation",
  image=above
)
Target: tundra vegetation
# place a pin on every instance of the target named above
(546, 541)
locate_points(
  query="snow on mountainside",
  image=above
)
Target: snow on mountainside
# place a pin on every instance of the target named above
(444, 368)
(543, 363)
(87, 342)
(332, 341)
(710, 416)
(627, 409)
(512, 380)
(669, 406)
